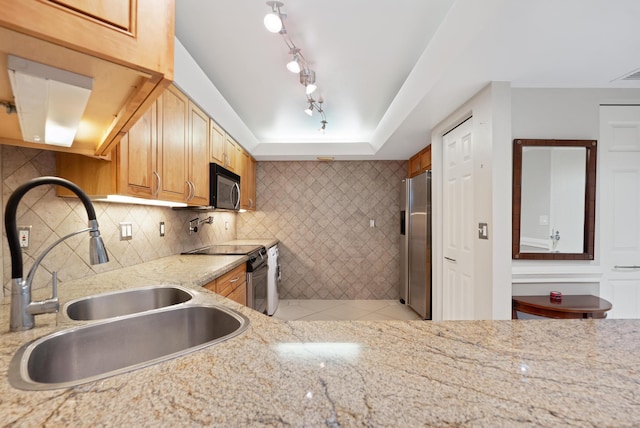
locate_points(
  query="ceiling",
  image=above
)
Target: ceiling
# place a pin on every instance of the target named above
(390, 71)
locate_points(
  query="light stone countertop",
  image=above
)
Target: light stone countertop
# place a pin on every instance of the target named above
(337, 373)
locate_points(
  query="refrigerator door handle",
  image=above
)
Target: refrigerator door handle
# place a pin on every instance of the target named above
(450, 259)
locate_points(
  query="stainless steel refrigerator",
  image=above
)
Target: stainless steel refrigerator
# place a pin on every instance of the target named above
(415, 243)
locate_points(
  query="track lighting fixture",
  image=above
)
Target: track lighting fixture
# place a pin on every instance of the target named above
(274, 21)
(313, 105)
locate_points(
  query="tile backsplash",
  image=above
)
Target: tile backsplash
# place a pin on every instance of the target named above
(321, 214)
(52, 217)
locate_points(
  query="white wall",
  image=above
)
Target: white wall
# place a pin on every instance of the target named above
(562, 114)
(492, 200)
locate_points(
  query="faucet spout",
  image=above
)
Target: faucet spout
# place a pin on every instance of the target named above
(22, 309)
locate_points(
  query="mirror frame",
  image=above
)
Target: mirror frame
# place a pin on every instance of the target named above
(590, 199)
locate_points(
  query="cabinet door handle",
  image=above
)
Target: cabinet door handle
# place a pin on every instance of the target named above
(192, 190)
(158, 185)
(250, 203)
(450, 259)
(235, 279)
(627, 267)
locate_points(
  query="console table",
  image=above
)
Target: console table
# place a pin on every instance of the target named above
(576, 306)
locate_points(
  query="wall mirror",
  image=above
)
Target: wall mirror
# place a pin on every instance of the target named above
(554, 199)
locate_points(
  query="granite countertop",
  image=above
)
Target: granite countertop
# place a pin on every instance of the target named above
(337, 373)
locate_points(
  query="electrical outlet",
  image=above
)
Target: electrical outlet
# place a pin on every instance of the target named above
(24, 235)
(126, 231)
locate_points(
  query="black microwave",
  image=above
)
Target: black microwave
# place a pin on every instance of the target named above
(224, 188)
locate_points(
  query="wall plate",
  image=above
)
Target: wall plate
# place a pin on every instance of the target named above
(483, 231)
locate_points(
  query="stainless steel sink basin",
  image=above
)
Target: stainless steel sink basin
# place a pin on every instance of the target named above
(106, 348)
(118, 303)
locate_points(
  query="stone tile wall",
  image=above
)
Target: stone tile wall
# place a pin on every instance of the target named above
(52, 217)
(320, 212)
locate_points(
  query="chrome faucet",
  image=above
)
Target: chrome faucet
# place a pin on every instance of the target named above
(23, 310)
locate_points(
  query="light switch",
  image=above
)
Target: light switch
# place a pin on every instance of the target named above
(372, 222)
(483, 231)
(162, 228)
(544, 220)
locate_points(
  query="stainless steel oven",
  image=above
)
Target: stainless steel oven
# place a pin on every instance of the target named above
(257, 267)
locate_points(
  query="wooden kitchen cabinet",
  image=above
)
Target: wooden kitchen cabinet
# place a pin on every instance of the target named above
(217, 139)
(224, 150)
(232, 285)
(126, 46)
(113, 12)
(165, 151)
(247, 182)
(231, 153)
(173, 110)
(198, 150)
(420, 162)
(135, 158)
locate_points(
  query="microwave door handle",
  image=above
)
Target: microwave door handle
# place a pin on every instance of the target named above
(236, 204)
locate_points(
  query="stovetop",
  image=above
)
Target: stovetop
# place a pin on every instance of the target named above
(238, 250)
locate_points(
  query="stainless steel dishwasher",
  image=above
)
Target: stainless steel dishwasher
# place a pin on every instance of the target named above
(257, 269)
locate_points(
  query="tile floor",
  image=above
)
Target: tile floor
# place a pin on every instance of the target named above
(345, 310)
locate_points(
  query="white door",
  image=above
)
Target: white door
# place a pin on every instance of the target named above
(458, 230)
(619, 170)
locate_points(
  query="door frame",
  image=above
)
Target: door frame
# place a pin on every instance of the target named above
(491, 111)
(437, 197)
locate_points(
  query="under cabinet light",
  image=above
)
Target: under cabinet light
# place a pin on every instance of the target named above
(50, 101)
(139, 201)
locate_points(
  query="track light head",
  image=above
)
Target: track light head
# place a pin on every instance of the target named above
(294, 65)
(308, 79)
(323, 127)
(309, 110)
(273, 20)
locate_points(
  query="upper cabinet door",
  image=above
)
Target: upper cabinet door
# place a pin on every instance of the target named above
(198, 156)
(126, 46)
(136, 157)
(172, 145)
(217, 138)
(231, 154)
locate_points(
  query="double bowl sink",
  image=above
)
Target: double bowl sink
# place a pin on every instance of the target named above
(131, 329)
